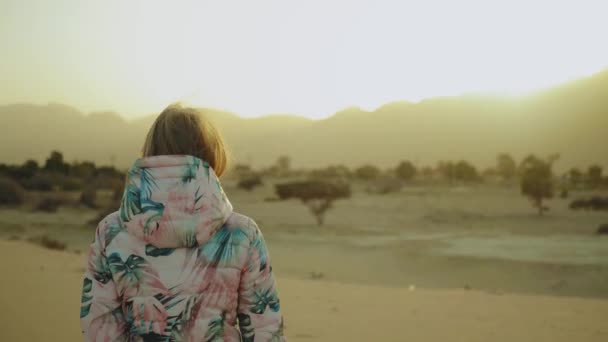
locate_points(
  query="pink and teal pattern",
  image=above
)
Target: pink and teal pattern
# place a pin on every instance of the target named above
(175, 263)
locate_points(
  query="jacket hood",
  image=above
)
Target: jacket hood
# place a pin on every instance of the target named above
(173, 201)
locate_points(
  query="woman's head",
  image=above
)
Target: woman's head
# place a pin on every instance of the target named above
(180, 130)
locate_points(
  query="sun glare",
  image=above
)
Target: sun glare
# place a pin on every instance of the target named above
(310, 58)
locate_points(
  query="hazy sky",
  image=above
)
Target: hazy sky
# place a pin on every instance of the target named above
(307, 57)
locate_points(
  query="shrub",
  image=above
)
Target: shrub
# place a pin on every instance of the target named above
(11, 193)
(593, 203)
(49, 243)
(250, 182)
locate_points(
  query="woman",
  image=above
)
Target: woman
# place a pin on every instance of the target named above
(175, 262)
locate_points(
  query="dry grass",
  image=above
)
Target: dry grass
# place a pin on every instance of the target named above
(435, 236)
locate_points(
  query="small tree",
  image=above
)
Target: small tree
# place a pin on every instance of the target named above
(55, 163)
(537, 180)
(594, 176)
(405, 171)
(506, 166)
(283, 165)
(317, 195)
(367, 172)
(575, 176)
(465, 171)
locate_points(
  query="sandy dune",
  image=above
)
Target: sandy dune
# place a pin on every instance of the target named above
(40, 299)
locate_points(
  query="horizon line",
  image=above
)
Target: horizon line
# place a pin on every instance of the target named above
(493, 94)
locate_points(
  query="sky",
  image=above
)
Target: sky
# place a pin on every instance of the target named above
(310, 57)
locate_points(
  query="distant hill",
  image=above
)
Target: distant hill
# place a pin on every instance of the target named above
(571, 119)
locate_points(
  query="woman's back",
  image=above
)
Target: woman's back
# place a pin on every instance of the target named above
(175, 263)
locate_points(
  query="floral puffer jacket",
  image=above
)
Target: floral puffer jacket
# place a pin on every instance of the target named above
(176, 264)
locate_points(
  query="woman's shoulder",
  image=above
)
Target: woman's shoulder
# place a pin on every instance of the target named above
(244, 223)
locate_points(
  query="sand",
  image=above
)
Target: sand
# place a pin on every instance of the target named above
(40, 300)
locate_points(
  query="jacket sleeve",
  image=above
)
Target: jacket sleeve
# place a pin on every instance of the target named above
(101, 317)
(259, 311)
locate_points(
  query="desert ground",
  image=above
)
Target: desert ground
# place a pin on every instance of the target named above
(428, 263)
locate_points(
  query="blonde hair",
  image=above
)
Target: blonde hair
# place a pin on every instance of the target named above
(182, 130)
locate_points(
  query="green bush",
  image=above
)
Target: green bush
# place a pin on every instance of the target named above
(11, 193)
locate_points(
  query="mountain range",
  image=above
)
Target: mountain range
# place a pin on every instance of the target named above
(570, 119)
